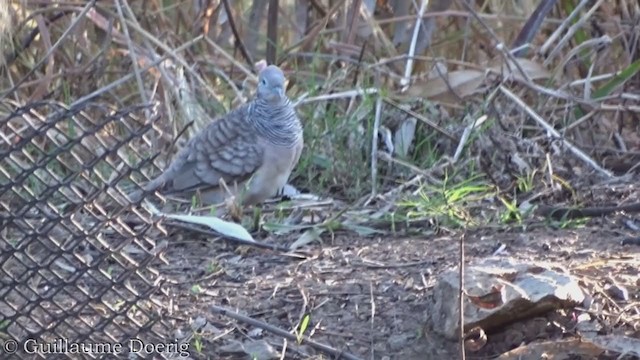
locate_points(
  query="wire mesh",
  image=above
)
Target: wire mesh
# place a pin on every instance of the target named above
(76, 258)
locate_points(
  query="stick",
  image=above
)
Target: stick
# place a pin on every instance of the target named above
(285, 334)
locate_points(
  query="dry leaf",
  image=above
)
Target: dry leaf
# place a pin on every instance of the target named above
(462, 82)
(512, 70)
(491, 300)
(475, 339)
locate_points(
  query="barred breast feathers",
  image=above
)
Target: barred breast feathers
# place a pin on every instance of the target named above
(278, 123)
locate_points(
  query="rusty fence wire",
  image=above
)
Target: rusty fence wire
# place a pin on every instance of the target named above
(76, 259)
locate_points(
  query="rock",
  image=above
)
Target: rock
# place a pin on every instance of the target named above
(499, 291)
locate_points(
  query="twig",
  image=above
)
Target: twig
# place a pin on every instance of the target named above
(358, 68)
(413, 181)
(559, 213)
(315, 30)
(127, 77)
(371, 265)
(563, 25)
(431, 124)
(596, 43)
(303, 99)
(353, 22)
(461, 296)
(379, 34)
(620, 107)
(223, 75)
(284, 349)
(256, 18)
(239, 43)
(319, 8)
(272, 32)
(133, 53)
(404, 82)
(488, 28)
(577, 152)
(579, 24)
(372, 300)
(235, 62)
(389, 158)
(374, 147)
(422, 173)
(170, 52)
(522, 42)
(50, 51)
(285, 334)
(28, 39)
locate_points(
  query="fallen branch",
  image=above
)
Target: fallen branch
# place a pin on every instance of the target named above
(285, 334)
(560, 213)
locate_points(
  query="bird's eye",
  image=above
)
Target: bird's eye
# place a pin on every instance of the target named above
(263, 82)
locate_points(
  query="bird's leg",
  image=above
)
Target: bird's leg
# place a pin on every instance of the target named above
(231, 202)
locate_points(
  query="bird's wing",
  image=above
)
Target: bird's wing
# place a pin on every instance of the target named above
(227, 148)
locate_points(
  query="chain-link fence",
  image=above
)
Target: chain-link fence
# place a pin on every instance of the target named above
(76, 261)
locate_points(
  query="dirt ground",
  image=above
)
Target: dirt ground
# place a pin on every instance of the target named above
(368, 295)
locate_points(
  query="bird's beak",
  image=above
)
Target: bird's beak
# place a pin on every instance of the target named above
(280, 91)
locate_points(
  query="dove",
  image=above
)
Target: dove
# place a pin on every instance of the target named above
(255, 146)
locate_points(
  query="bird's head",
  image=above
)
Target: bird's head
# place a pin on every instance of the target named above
(271, 84)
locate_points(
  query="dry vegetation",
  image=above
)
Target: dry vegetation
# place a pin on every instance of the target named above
(491, 116)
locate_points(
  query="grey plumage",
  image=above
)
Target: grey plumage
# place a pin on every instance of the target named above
(256, 146)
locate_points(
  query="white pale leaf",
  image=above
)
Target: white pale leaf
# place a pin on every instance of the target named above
(223, 227)
(403, 137)
(226, 228)
(385, 133)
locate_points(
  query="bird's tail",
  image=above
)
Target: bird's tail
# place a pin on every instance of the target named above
(153, 185)
(136, 196)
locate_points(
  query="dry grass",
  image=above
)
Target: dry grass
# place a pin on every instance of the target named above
(467, 120)
(582, 87)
